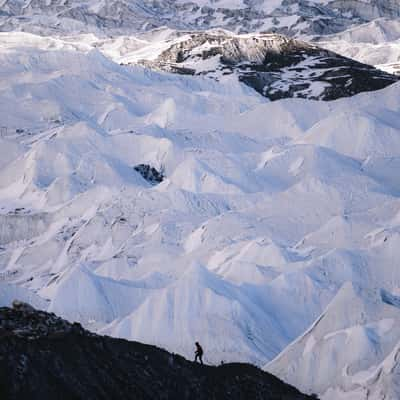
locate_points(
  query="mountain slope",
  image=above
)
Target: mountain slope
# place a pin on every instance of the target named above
(276, 66)
(364, 326)
(305, 17)
(264, 212)
(327, 22)
(43, 356)
(374, 43)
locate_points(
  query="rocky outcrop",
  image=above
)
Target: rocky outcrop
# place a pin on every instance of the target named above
(43, 356)
(149, 173)
(274, 65)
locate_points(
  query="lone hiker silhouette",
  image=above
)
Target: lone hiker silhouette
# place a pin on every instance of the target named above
(198, 353)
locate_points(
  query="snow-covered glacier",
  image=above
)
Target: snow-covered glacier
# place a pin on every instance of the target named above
(359, 29)
(171, 208)
(295, 17)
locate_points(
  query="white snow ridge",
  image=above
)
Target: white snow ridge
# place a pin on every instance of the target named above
(168, 208)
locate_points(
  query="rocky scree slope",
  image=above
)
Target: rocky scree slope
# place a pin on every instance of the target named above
(43, 356)
(274, 65)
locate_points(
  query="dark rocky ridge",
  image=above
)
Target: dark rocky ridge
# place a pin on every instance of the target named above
(45, 357)
(274, 65)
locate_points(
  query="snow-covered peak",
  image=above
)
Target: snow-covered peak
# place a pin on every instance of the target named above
(305, 17)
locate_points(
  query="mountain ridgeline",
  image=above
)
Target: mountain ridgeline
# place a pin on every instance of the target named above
(213, 39)
(293, 18)
(43, 356)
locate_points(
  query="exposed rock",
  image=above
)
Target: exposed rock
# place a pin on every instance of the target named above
(149, 173)
(274, 65)
(43, 356)
(21, 306)
(24, 321)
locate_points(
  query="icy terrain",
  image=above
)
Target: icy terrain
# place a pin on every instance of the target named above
(168, 209)
(375, 43)
(361, 26)
(295, 18)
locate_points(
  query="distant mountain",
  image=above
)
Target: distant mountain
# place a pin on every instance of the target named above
(275, 66)
(333, 23)
(374, 43)
(293, 18)
(42, 356)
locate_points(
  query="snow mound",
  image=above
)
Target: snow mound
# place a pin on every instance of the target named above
(356, 330)
(197, 303)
